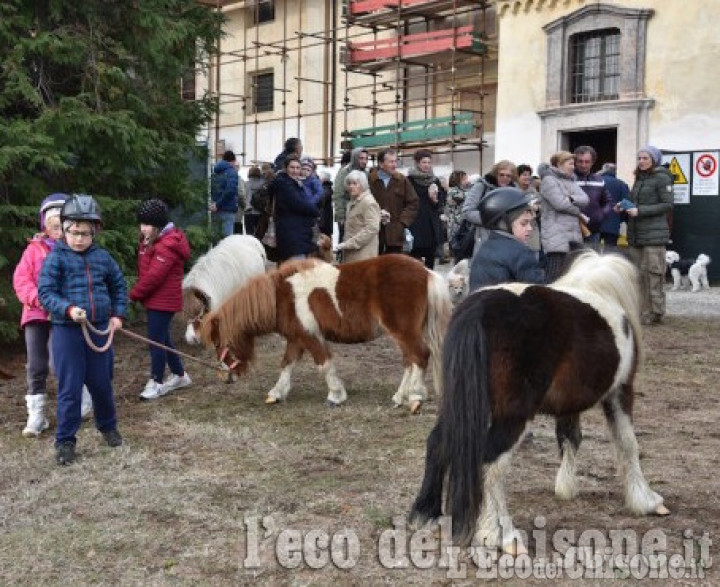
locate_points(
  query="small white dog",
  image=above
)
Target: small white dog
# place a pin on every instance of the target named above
(698, 273)
(688, 272)
(458, 279)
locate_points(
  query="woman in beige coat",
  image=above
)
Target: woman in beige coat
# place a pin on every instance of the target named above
(362, 220)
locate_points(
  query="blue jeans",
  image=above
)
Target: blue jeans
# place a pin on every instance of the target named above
(159, 331)
(77, 364)
(226, 220)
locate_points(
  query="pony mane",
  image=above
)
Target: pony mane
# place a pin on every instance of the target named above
(608, 276)
(249, 312)
(231, 262)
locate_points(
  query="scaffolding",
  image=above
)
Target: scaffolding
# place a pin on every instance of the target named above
(425, 69)
(422, 63)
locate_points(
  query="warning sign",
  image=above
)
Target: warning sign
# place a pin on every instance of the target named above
(679, 166)
(677, 171)
(705, 177)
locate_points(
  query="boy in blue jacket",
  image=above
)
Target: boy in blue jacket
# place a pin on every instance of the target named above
(79, 282)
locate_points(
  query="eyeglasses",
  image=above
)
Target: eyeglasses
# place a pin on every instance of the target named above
(79, 233)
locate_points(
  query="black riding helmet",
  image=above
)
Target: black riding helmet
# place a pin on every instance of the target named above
(497, 205)
(81, 207)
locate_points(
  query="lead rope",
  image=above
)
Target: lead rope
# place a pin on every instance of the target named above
(85, 325)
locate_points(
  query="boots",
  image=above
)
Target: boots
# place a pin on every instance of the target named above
(37, 422)
(87, 405)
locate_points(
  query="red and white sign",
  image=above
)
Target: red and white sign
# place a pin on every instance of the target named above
(705, 180)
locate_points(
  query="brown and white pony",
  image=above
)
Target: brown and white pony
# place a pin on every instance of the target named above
(217, 274)
(515, 350)
(310, 302)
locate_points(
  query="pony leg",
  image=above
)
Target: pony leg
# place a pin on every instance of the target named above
(416, 386)
(495, 528)
(281, 389)
(336, 390)
(401, 395)
(639, 498)
(569, 436)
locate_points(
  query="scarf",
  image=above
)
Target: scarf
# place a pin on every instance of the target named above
(424, 179)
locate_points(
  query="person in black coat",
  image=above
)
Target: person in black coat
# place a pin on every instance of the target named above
(295, 216)
(326, 205)
(426, 229)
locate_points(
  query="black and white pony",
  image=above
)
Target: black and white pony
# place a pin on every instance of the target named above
(219, 273)
(515, 350)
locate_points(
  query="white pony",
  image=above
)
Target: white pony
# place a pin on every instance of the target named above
(219, 273)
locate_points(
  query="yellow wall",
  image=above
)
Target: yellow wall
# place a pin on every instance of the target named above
(683, 52)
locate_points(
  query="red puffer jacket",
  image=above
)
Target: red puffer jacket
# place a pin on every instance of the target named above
(161, 272)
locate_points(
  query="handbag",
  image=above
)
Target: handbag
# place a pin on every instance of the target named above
(269, 239)
(463, 241)
(266, 232)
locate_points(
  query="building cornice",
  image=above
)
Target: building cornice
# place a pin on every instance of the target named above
(507, 7)
(570, 109)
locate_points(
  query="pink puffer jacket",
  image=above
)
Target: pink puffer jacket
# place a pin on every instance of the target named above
(25, 280)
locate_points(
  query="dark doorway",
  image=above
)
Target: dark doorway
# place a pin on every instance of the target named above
(603, 140)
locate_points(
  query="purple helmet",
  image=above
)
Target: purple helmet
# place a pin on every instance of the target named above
(52, 201)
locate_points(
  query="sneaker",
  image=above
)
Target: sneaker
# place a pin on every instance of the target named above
(176, 382)
(153, 390)
(65, 453)
(113, 438)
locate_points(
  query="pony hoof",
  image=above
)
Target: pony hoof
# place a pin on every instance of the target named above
(271, 399)
(332, 404)
(661, 510)
(515, 548)
(415, 406)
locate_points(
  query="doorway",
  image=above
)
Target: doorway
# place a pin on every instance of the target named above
(603, 140)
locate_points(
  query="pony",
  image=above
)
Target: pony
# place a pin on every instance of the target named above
(515, 350)
(310, 302)
(217, 274)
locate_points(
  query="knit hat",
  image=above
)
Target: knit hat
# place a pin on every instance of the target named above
(654, 152)
(153, 212)
(307, 162)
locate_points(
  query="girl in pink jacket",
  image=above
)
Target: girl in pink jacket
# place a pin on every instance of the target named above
(34, 319)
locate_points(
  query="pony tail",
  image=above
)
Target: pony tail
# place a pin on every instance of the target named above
(438, 318)
(465, 414)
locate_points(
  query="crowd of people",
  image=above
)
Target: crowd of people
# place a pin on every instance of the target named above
(521, 228)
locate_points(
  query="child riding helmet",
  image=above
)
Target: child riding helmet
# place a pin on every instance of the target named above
(81, 207)
(153, 212)
(500, 207)
(52, 202)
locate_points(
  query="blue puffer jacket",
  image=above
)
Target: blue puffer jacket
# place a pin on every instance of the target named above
(295, 217)
(224, 191)
(504, 259)
(90, 280)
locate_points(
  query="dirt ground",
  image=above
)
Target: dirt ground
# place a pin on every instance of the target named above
(214, 487)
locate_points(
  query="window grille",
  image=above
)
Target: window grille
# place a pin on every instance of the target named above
(594, 66)
(263, 91)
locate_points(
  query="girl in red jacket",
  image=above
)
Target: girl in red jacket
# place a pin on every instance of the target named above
(161, 259)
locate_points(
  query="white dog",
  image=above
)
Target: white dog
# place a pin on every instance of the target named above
(688, 272)
(458, 279)
(698, 273)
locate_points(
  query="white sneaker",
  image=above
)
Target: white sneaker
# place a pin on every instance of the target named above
(153, 390)
(176, 382)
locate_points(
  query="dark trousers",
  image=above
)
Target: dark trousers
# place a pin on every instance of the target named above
(77, 364)
(37, 337)
(251, 221)
(425, 254)
(554, 263)
(159, 331)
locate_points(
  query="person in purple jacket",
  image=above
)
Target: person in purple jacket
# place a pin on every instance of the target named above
(81, 282)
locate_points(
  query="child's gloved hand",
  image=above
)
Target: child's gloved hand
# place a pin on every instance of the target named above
(78, 314)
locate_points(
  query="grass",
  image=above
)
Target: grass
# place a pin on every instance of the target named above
(200, 467)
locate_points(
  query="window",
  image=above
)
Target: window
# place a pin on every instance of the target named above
(594, 66)
(262, 91)
(263, 11)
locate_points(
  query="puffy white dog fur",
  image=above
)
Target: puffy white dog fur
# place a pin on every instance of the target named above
(698, 273)
(688, 272)
(458, 279)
